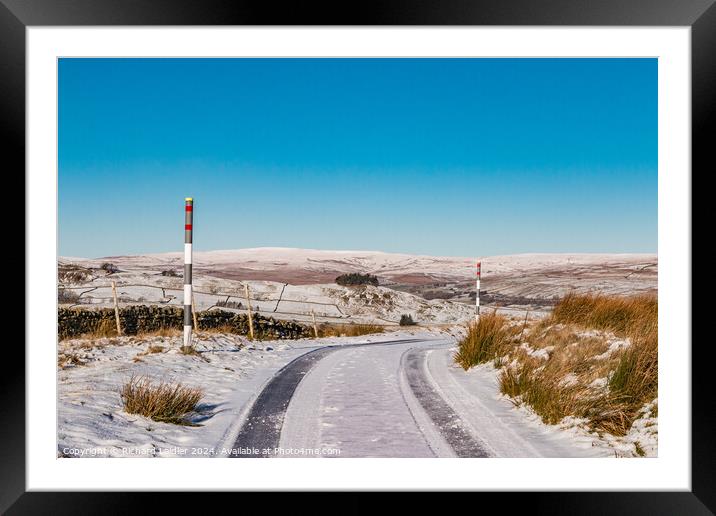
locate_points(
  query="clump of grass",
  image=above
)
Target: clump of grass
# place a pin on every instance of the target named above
(191, 351)
(152, 349)
(164, 331)
(555, 370)
(105, 328)
(224, 328)
(621, 315)
(165, 402)
(356, 330)
(485, 340)
(634, 381)
(69, 359)
(348, 330)
(639, 450)
(549, 385)
(329, 330)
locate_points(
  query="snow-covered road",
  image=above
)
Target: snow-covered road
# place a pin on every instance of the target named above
(401, 398)
(353, 402)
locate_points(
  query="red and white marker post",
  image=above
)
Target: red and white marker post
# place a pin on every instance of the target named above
(477, 294)
(188, 239)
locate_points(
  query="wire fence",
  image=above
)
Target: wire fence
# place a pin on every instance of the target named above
(223, 299)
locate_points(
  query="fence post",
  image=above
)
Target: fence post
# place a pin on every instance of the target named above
(248, 304)
(188, 237)
(116, 308)
(315, 329)
(477, 294)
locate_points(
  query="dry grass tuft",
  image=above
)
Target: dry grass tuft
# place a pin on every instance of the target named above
(152, 349)
(224, 328)
(191, 351)
(69, 359)
(622, 315)
(161, 332)
(165, 402)
(486, 340)
(348, 330)
(105, 328)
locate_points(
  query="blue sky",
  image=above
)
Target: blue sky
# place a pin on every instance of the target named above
(458, 157)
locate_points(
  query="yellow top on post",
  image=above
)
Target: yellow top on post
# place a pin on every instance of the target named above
(188, 199)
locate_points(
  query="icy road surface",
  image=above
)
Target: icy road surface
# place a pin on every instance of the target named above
(403, 398)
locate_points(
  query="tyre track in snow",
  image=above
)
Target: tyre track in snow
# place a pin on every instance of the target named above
(448, 422)
(261, 431)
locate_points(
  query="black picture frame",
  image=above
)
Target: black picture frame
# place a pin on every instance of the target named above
(700, 15)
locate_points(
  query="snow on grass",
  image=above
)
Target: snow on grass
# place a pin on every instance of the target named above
(615, 344)
(541, 353)
(640, 441)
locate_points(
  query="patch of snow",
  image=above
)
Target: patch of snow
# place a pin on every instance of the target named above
(541, 353)
(615, 345)
(598, 383)
(569, 380)
(640, 441)
(586, 334)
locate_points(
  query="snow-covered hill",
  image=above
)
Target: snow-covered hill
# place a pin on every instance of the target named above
(520, 280)
(389, 266)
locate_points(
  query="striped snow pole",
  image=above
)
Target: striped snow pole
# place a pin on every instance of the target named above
(188, 221)
(477, 296)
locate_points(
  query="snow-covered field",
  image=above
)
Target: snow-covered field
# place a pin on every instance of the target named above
(289, 283)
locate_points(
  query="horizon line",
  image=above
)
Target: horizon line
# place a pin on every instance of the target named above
(356, 251)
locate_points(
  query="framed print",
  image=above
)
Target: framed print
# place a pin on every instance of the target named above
(418, 249)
